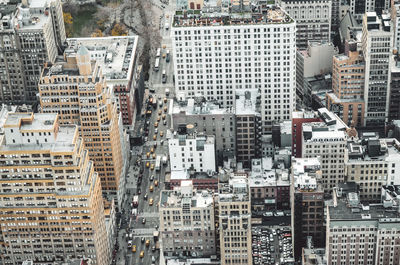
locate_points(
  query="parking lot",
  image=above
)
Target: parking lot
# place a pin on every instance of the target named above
(271, 245)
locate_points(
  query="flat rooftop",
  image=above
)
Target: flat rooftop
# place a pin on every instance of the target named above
(246, 102)
(205, 18)
(200, 199)
(115, 55)
(192, 107)
(30, 121)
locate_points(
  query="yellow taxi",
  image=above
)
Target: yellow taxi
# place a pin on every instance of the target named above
(154, 137)
(147, 243)
(148, 164)
(148, 154)
(159, 112)
(152, 167)
(154, 155)
(164, 116)
(156, 124)
(165, 109)
(134, 248)
(156, 183)
(152, 150)
(151, 201)
(161, 134)
(158, 118)
(151, 188)
(141, 254)
(165, 100)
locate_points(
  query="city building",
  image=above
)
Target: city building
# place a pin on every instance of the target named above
(361, 234)
(327, 140)
(313, 20)
(315, 59)
(359, 7)
(208, 118)
(31, 33)
(347, 98)
(269, 187)
(187, 224)
(315, 89)
(193, 261)
(51, 200)
(394, 101)
(395, 16)
(192, 152)
(76, 89)
(234, 221)
(118, 58)
(377, 43)
(307, 203)
(298, 118)
(248, 127)
(372, 163)
(213, 48)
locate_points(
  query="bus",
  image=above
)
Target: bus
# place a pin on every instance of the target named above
(158, 162)
(135, 201)
(158, 52)
(157, 65)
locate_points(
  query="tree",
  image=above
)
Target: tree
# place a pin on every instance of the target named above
(68, 21)
(119, 30)
(97, 33)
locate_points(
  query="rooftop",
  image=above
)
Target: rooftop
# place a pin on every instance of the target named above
(198, 106)
(30, 121)
(306, 174)
(217, 17)
(235, 190)
(247, 102)
(373, 150)
(115, 55)
(175, 198)
(263, 174)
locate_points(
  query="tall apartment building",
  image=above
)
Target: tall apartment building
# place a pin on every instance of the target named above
(118, 59)
(76, 89)
(298, 118)
(210, 119)
(307, 203)
(248, 126)
(362, 234)
(395, 17)
(327, 140)
(187, 224)
(394, 101)
(234, 221)
(51, 201)
(359, 7)
(313, 20)
(377, 43)
(218, 53)
(192, 152)
(372, 163)
(31, 33)
(347, 99)
(316, 59)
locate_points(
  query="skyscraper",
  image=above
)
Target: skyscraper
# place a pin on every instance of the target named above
(32, 33)
(77, 90)
(218, 53)
(51, 206)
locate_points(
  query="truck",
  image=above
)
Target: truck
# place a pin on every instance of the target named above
(164, 160)
(167, 92)
(135, 201)
(155, 236)
(158, 163)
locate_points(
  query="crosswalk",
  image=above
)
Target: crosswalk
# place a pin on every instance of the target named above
(150, 215)
(143, 231)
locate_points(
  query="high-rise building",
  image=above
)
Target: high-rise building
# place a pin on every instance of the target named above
(76, 89)
(298, 118)
(219, 53)
(208, 118)
(327, 140)
(377, 43)
(118, 58)
(307, 203)
(187, 224)
(313, 20)
(347, 99)
(192, 152)
(359, 7)
(234, 221)
(51, 200)
(31, 33)
(394, 101)
(372, 163)
(362, 234)
(248, 126)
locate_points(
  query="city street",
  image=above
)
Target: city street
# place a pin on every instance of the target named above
(134, 223)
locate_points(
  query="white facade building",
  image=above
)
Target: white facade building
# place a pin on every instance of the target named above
(218, 53)
(326, 140)
(313, 19)
(377, 43)
(192, 151)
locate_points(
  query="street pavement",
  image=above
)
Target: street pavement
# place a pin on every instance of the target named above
(134, 224)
